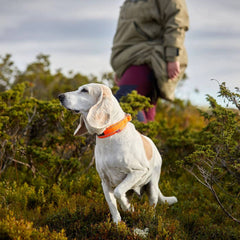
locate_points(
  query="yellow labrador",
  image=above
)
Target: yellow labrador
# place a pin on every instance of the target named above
(125, 159)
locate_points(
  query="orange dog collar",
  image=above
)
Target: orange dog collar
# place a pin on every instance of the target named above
(116, 128)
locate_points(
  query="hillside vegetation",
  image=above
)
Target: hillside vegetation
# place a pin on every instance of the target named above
(49, 187)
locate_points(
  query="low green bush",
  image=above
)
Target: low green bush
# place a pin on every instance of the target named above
(11, 228)
(49, 187)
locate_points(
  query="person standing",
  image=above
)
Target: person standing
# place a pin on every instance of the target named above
(148, 53)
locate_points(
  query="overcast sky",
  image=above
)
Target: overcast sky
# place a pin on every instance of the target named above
(77, 34)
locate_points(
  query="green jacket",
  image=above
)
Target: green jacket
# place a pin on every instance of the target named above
(151, 32)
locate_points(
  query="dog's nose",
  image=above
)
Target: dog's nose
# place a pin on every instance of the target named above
(61, 97)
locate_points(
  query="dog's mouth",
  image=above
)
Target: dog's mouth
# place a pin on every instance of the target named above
(73, 110)
(76, 111)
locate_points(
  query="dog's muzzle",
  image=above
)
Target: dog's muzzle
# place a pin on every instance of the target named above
(61, 97)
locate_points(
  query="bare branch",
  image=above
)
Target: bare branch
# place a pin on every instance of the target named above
(90, 164)
(22, 163)
(222, 207)
(198, 179)
(32, 168)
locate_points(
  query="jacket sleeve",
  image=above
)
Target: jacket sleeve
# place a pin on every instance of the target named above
(175, 23)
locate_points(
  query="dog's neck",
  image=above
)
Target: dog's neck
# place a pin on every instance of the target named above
(116, 127)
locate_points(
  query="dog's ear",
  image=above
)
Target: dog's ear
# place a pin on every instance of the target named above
(81, 128)
(99, 115)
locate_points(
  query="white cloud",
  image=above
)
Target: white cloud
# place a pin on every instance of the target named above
(215, 14)
(61, 9)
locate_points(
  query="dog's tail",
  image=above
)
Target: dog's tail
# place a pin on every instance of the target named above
(168, 200)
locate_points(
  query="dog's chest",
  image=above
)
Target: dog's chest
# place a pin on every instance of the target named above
(117, 157)
(111, 163)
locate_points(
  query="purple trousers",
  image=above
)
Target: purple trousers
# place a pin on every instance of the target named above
(140, 78)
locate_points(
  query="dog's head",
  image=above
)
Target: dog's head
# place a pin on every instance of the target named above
(94, 102)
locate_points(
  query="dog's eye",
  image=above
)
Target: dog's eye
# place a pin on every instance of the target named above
(84, 90)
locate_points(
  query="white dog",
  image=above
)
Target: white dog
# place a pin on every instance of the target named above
(125, 159)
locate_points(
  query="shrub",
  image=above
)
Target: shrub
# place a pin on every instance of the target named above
(49, 188)
(215, 163)
(11, 228)
(36, 136)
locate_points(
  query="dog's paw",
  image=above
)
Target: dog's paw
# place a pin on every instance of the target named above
(116, 219)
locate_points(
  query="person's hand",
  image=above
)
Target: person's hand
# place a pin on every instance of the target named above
(173, 69)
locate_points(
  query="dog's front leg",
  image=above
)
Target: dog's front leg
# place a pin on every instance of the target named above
(128, 183)
(112, 203)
